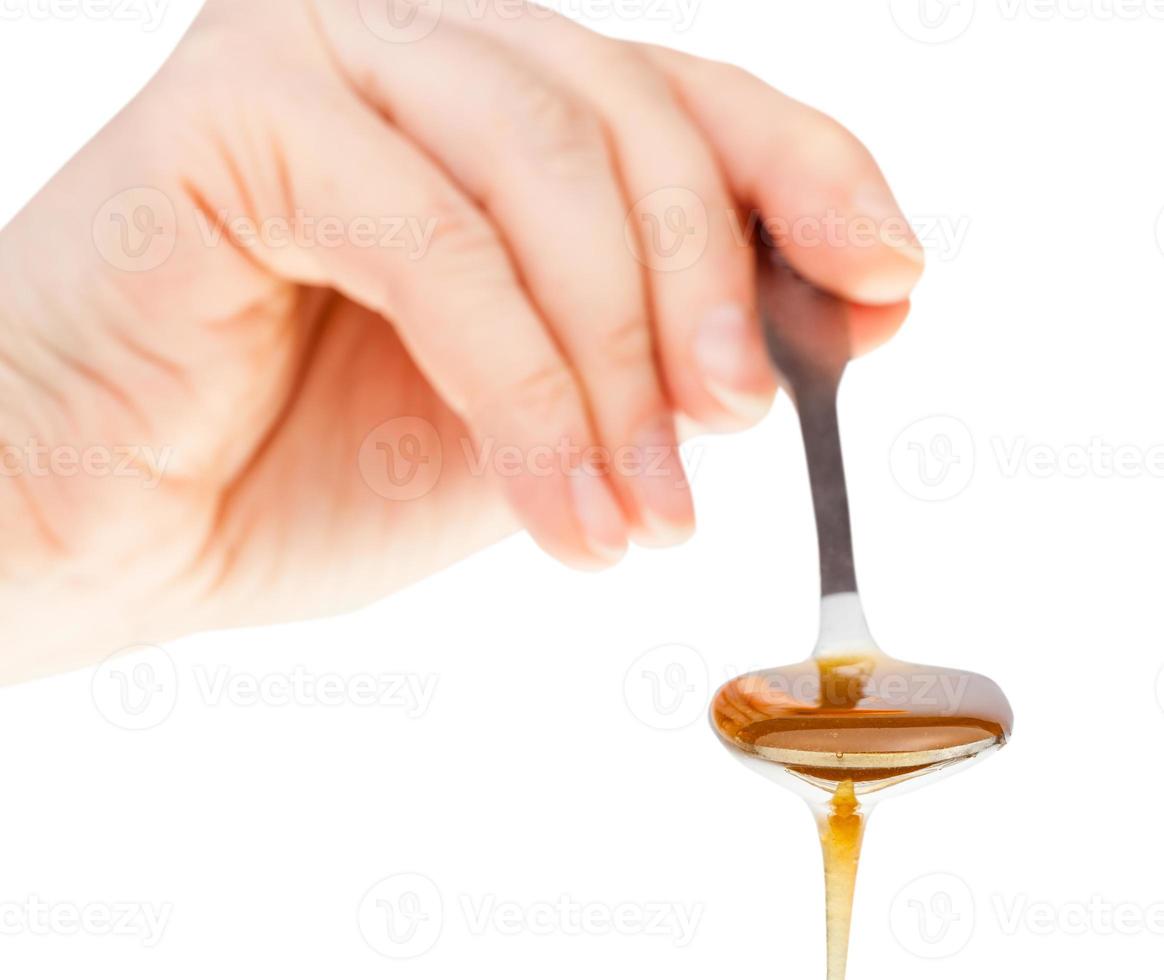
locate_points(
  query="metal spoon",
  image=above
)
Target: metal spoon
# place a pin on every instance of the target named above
(852, 707)
(851, 721)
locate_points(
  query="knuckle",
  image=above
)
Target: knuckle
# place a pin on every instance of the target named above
(626, 344)
(829, 141)
(632, 71)
(735, 76)
(560, 132)
(459, 232)
(725, 75)
(547, 392)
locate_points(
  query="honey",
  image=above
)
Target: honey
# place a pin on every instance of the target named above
(842, 826)
(847, 727)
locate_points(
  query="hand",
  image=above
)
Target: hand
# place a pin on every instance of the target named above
(341, 298)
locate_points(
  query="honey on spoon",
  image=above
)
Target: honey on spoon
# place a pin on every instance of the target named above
(850, 723)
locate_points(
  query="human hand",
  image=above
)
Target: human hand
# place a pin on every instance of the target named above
(322, 243)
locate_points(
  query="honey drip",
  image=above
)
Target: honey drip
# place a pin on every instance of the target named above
(843, 729)
(842, 825)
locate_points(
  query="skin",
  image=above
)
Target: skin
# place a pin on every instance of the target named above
(471, 211)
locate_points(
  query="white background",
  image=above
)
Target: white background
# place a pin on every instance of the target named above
(1028, 149)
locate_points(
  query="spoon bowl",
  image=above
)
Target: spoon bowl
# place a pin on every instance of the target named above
(867, 718)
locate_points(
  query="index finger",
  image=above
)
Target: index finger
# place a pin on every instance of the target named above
(822, 199)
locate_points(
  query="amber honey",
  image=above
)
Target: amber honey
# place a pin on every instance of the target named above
(860, 718)
(848, 727)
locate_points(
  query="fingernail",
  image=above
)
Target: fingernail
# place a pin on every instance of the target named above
(662, 494)
(599, 515)
(745, 406)
(729, 354)
(875, 201)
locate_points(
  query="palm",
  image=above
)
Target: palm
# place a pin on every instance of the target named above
(328, 497)
(277, 499)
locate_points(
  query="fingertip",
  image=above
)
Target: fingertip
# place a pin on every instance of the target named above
(891, 259)
(742, 409)
(889, 277)
(872, 326)
(571, 514)
(664, 512)
(588, 561)
(600, 521)
(662, 534)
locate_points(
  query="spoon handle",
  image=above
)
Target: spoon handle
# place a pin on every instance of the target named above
(816, 404)
(807, 332)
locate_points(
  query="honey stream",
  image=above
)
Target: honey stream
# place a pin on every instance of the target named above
(847, 728)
